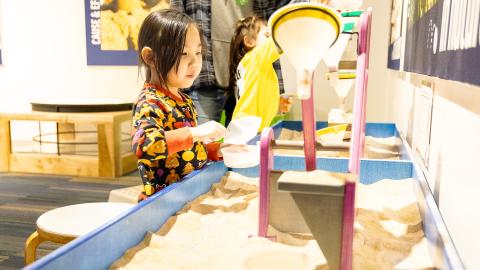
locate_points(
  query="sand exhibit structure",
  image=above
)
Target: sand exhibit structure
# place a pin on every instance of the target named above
(152, 219)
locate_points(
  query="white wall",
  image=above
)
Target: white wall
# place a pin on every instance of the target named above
(377, 90)
(452, 169)
(44, 55)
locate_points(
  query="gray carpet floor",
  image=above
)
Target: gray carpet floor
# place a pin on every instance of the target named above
(23, 198)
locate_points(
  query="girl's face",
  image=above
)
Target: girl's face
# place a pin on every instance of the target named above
(190, 62)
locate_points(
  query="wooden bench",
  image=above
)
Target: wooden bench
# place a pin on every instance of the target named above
(109, 163)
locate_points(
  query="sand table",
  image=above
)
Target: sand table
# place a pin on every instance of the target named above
(215, 232)
(375, 148)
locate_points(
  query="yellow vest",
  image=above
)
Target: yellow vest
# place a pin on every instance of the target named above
(258, 84)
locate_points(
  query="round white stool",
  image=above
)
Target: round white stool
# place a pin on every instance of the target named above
(62, 225)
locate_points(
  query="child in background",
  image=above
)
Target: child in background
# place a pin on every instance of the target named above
(165, 136)
(253, 80)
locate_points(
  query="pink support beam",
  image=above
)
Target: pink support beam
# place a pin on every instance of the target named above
(308, 122)
(354, 160)
(364, 115)
(266, 166)
(357, 139)
(365, 49)
(347, 229)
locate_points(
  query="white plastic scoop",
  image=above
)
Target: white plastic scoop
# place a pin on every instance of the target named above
(242, 129)
(239, 132)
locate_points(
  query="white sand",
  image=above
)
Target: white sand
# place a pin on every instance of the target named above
(216, 231)
(375, 148)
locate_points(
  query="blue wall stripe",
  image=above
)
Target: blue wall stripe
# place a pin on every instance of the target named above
(371, 170)
(379, 130)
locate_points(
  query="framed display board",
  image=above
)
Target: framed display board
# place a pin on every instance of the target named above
(441, 39)
(396, 41)
(112, 29)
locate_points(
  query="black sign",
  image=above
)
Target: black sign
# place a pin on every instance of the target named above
(443, 40)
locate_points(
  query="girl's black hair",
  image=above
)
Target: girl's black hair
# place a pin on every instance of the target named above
(164, 31)
(249, 26)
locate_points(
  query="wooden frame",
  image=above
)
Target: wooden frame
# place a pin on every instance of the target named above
(110, 162)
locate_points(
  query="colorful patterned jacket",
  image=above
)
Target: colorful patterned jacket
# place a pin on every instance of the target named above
(161, 139)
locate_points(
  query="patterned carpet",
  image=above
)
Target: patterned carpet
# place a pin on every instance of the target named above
(23, 198)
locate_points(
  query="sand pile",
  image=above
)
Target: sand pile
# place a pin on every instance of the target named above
(375, 148)
(217, 231)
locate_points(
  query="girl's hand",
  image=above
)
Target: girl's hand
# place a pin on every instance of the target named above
(285, 104)
(208, 132)
(326, 2)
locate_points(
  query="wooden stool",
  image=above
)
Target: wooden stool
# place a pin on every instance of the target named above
(62, 225)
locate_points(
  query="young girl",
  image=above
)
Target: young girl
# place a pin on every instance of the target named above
(165, 136)
(253, 80)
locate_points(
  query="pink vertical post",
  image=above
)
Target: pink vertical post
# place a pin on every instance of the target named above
(365, 48)
(354, 168)
(357, 140)
(367, 34)
(354, 160)
(309, 125)
(347, 229)
(364, 115)
(266, 165)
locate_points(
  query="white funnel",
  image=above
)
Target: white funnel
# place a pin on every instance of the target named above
(342, 81)
(305, 31)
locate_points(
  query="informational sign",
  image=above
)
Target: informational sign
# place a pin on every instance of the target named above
(112, 29)
(442, 39)
(396, 41)
(422, 115)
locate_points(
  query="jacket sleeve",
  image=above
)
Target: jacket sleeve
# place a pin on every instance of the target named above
(267, 53)
(178, 5)
(148, 140)
(213, 151)
(265, 8)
